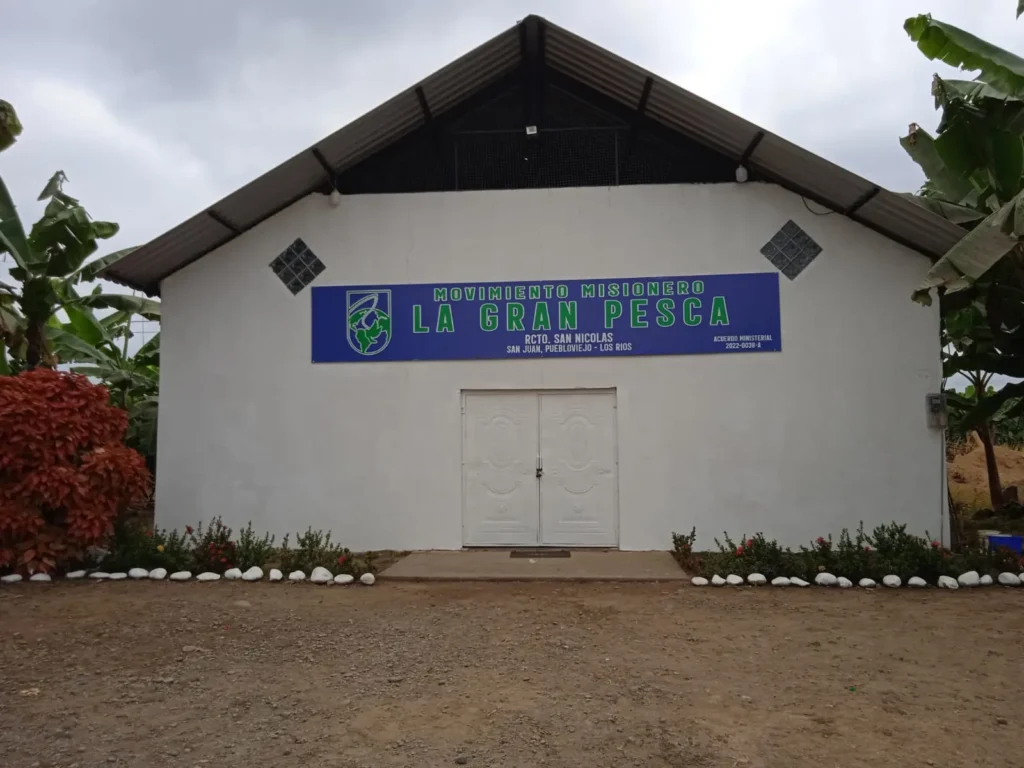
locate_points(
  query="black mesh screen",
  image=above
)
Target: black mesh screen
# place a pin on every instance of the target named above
(569, 158)
(583, 140)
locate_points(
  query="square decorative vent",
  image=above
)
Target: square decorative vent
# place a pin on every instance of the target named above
(791, 250)
(297, 266)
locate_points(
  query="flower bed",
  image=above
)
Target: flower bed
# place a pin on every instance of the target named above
(888, 555)
(210, 553)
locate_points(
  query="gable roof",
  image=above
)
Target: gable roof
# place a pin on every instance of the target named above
(534, 45)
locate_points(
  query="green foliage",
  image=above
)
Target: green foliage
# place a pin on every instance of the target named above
(682, 548)
(50, 263)
(853, 555)
(756, 555)
(975, 178)
(133, 382)
(905, 555)
(10, 126)
(212, 549)
(315, 549)
(888, 550)
(253, 550)
(961, 49)
(136, 546)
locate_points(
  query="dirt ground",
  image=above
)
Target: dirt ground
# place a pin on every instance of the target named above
(254, 675)
(968, 477)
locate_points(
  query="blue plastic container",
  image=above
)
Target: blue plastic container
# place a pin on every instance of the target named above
(1014, 543)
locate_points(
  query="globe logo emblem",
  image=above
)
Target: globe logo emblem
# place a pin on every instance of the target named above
(369, 320)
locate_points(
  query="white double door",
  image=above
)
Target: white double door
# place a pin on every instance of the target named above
(539, 468)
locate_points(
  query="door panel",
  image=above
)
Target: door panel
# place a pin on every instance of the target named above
(500, 494)
(578, 494)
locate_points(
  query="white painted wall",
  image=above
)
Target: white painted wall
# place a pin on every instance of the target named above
(830, 431)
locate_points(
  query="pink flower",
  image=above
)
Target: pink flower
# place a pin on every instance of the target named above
(821, 540)
(739, 550)
(936, 545)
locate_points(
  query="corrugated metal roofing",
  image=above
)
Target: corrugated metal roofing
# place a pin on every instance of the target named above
(771, 156)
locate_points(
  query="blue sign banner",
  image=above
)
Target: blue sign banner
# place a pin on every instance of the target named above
(570, 318)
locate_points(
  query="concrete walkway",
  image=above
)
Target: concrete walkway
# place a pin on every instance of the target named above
(497, 565)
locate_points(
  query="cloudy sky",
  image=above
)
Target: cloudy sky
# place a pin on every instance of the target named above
(156, 110)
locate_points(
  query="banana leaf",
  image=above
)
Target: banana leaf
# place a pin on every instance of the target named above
(920, 145)
(954, 46)
(977, 252)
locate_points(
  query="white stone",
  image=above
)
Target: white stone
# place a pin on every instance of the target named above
(296, 576)
(948, 582)
(916, 581)
(253, 574)
(986, 581)
(368, 579)
(40, 577)
(233, 573)
(757, 579)
(892, 581)
(844, 583)
(118, 576)
(75, 575)
(1008, 579)
(780, 581)
(157, 574)
(344, 578)
(208, 576)
(969, 579)
(733, 580)
(276, 575)
(181, 576)
(867, 583)
(99, 575)
(825, 580)
(321, 575)
(798, 582)
(699, 581)
(717, 580)
(138, 573)
(11, 578)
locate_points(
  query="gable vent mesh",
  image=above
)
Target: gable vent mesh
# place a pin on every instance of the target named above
(577, 144)
(297, 266)
(791, 250)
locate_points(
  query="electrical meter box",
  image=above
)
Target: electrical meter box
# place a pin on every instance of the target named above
(936, 410)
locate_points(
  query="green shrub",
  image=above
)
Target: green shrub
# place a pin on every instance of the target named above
(682, 548)
(136, 546)
(313, 549)
(853, 558)
(888, 550)
(252, 550)
(212, 549)
(905, 555)
(755, 554)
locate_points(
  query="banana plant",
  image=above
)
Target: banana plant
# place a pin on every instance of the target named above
(974, 167)
(101, 353)
(975, 164)
(50, 264)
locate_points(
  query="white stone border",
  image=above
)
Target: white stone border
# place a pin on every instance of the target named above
(968, 580)
(319, 576)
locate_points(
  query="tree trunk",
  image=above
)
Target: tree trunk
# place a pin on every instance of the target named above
(956, 529)
(34, 346)
(995, 488)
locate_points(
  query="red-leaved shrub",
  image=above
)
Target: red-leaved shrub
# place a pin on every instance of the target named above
(64, 471)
